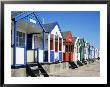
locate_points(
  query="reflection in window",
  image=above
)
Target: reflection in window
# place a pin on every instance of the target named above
(67, 48)
(60, 44)
(20, 39)
(56, 43)
(37, 41)
(51, 42)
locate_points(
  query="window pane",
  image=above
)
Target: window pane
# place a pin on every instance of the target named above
(20, 34)
(51, 42)
(60, 44)
(20, 44)
(23, 35)
(20, 39)
(17, 33)
(66, 48)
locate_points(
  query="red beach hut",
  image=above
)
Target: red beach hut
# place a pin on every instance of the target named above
(68, 47)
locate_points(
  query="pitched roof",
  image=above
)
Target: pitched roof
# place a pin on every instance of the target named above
(15, 13)
(64, 34)
(50, 26)
(82, 41)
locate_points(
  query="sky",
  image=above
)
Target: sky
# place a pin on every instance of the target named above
(83, 24)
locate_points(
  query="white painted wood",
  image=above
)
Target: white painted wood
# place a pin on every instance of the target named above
(40, 57)
(56, 29)
(30, 55)
(75, 57)
(79, 56)
(58, 48)
(75, 50)
(54, 45)
(63, 48)
(32, 20)
(19, 55)
(32, 41)
(56, 56)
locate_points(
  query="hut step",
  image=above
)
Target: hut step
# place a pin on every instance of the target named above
(73, 65)
(34, 70)
(79, 63)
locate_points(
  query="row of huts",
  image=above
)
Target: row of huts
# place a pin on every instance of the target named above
(35, 42)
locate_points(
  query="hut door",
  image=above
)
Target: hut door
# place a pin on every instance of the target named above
(35, 47)
(81, 54)
(56, 48)
(38, 54)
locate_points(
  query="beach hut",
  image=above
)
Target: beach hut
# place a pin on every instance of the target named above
(76, 49)
(89, 51)
(92, 49)
(96, 53)
(91, 55)
(86, 51)
(81, 49)
(26, 46)
(68, 46)
(53, 43)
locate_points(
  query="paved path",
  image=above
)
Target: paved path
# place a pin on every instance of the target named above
(89, 70)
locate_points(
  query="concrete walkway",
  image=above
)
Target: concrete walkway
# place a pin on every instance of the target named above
(89, 70)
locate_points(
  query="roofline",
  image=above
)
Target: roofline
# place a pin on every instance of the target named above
(56, 23)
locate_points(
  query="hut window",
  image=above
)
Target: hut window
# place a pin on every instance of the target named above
(51, 42)
(46, 42)
(67, 47)
(78, 47)
(37, 41)
(72, 48)
(20, 39)
(56, 43)
(12, 37)
(60, 44)
(85, 50)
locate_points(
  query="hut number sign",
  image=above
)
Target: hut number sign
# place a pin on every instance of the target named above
(33, 21)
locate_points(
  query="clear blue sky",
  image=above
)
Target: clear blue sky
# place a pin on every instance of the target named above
(81, 23)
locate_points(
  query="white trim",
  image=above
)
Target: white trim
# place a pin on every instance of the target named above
(58, 47)
(76, 41)
(54, 45)
(62, 44)
(32, 41)
(76, 55)
(19, 55)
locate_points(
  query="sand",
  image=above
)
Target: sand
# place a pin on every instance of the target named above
(89, 70)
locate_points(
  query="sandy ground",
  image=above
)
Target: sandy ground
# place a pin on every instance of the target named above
(89, 70)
